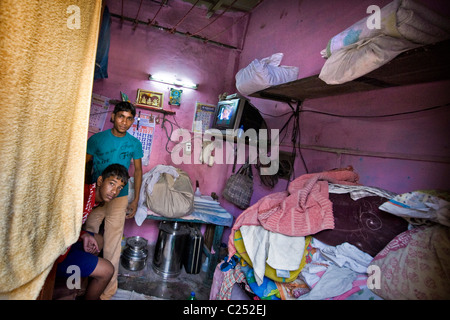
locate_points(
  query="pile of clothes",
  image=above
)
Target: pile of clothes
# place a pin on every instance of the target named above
(325, 272)
(327, 238)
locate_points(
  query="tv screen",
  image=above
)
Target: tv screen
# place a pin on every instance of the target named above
(235, 112)
(226, 114)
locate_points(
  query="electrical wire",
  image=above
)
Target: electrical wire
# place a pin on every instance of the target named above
(270, 181)
(378, 116)
(219, 33)
(296, 137)
(174, 28)
(275, 116)
(150, 22)
(167, 134)
(221, 14)
(163, 125)
(361, 116)
(135, 22)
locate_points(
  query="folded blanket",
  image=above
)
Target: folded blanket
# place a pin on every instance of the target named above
(358, 50)
(360, 30)
(279, 251)
(302, 210)
(406, 19)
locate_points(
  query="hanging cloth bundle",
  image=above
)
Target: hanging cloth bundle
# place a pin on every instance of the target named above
(239, 187)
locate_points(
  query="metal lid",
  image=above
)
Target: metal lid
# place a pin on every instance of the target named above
(131, 254)
(173, 227)
(137, 242)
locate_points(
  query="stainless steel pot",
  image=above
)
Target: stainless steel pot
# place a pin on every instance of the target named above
(169, 249)
(134, 256)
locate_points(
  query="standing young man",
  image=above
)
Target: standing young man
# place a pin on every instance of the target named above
(115, 145)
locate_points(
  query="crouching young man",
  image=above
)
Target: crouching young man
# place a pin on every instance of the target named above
(83, 253)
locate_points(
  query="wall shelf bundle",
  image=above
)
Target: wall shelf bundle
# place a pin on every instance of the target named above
(425, 64)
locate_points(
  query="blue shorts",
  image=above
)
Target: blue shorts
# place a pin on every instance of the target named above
(77, 256)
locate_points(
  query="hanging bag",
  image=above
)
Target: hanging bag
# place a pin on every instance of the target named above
(239, 187)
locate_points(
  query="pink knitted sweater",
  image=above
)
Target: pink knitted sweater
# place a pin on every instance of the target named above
(303, 210)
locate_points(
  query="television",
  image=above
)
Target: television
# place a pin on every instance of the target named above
(236, 111)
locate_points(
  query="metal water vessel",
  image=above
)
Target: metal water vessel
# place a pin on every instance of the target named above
(169, 249)
(134, 256)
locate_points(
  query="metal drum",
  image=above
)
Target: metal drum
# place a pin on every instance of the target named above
(169, 249)
(134, 256)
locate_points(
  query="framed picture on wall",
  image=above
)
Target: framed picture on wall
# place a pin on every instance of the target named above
(175, 97)
(149, 99)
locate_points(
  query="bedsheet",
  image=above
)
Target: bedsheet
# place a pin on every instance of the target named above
(211, 213)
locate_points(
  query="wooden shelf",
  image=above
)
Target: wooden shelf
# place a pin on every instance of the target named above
(165, 112)
(425, 64)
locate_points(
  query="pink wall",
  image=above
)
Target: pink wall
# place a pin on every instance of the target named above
(300, 30)
(136, 53)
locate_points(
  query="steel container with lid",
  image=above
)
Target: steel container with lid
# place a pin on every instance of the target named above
(169, 249)
(134, 256)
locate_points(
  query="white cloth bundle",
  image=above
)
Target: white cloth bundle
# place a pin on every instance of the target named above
(264, 73)
(148, 181)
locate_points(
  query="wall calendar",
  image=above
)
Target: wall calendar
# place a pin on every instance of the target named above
(203, 117)
(98, 113)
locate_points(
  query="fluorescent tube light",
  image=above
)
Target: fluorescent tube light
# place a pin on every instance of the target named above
(173, 81)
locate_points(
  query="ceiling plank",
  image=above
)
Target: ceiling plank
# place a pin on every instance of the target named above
(214, 7)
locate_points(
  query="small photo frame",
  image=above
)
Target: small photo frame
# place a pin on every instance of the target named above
(124, 96)
(149, 99)
(175, 97)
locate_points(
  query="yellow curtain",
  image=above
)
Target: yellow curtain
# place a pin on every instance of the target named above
(47, 57)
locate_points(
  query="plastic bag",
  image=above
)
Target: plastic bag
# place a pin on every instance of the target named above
(264, 73)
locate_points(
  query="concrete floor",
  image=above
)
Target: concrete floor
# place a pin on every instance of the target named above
(149, 283)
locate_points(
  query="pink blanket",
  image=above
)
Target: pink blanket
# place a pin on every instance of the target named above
(303, 210)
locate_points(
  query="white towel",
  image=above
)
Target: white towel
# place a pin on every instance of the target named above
(285, 252)
(279, 251)
(256, 241)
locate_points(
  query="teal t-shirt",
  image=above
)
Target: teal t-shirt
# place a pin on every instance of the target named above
(107, 149)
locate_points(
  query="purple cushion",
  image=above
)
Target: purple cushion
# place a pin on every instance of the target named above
(361, 224)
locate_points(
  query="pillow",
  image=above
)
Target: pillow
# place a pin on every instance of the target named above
(361, 223)
(416, 265)
(359, 58)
